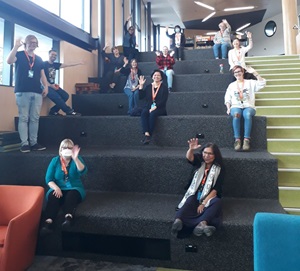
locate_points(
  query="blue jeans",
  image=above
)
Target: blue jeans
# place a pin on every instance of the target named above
(236, 114)
(133, 98)
(29, 107)
(224, 49)
(59, 97)
(149, 119)
(169, 74)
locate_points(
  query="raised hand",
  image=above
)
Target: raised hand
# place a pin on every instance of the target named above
(193, 144)
(142, 80)
(75, 152)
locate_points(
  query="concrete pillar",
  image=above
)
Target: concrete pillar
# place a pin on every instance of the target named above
(289, 18)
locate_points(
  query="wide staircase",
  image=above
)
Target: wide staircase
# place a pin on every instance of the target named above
(133, 190)
(280, 103)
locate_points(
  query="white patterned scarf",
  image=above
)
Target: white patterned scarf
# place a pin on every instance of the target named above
(209, 184)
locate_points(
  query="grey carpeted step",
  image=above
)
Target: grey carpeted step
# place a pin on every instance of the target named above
(189, 66)
(150, 216)
(199, 103)
(198, 55)
(150, 170)
(171, 131)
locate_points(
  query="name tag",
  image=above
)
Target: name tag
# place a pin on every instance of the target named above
(153, 105)
(30, 73)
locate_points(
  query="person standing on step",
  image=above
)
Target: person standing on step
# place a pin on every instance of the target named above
(240, 102)
(222, 40)
(129, 41)
(66, 190)
(156, 97)
(236, 56)
(178, 42)
(115, 62)
(131, 88)
(29, 74)
(200, 210)
(55, 93)
(165, 62)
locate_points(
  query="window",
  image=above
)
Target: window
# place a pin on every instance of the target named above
(1, 49)
(52, 6)
(76, 12)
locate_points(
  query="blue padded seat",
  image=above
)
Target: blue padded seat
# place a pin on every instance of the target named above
(276, 242)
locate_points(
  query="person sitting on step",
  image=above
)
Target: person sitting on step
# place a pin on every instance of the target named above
(55, 93)
(113, 66)
(63, 177)
(165, 62)
(222, 40)
(236, 56)
(200, 210)
(240, 102)
(131, 88)
(178, 42)
(156, 97)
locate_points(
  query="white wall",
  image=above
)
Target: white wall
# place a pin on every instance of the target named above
(264, 45)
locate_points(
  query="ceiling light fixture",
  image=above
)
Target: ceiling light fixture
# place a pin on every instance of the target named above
(210, 15)
(211, 33)
(241, 8)
(242, 27)
(204, 5)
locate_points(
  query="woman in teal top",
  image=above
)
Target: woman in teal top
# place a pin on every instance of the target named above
(64, 180)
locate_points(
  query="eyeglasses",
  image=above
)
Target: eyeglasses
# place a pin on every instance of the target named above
(236, 72)
(208, 153)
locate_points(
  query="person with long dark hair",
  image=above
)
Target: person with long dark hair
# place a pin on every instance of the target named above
(131, 88)
(200, 210)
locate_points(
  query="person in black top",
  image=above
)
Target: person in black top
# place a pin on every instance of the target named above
(178, 41)
(29, 73)
(55, 93)
(200, 210)
(156, 96)
(129, 42)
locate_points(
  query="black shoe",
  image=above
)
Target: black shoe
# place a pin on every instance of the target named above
(73, 113)
(38, 147)
(170, 90)
(66, 225)
(55, 114)
(46, 229)
(25, 148)
(146, 140)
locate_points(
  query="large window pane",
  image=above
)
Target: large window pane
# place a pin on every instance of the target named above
(1, 49)
(52, 5)
(76, 12)
(79, 15)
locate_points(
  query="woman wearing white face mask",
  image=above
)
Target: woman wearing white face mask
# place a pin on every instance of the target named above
(178, 42)
(66, 189)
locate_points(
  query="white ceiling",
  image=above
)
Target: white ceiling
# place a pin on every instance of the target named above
(173, 12)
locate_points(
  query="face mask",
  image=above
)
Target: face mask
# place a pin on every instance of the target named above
(177, 30)
(66, 153)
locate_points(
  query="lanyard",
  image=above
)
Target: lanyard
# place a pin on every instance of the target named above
(240, 90)
(154, 93)
(238, 55)
(33, 58)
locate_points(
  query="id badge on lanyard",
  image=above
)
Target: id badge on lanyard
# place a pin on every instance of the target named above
(30, 73)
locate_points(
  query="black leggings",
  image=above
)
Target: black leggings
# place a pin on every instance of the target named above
(68, 202)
